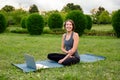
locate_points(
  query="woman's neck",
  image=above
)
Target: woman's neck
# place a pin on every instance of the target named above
(69, 32)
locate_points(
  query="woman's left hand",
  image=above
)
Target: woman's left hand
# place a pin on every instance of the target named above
(70, 52)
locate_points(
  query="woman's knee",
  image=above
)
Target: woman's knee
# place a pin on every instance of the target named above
(49, 56)
(69, 62)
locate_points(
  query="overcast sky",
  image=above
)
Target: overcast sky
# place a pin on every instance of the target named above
(46, 5)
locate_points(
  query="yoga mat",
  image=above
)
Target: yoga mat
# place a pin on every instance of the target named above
(84, 58)
(90, 58)
(43, 64)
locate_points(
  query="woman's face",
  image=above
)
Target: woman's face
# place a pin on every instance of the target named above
(68, 26)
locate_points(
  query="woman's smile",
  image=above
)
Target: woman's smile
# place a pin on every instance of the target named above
(69, 26)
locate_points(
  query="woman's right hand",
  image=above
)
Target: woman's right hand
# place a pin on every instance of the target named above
(60, 61)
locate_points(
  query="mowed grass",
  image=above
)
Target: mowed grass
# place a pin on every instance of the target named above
(106, 27)
(14, 46)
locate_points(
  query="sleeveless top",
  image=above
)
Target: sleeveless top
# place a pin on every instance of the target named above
(69, 44)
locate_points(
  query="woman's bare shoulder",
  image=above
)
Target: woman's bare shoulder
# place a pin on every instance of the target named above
(76, 34)
(63, 35)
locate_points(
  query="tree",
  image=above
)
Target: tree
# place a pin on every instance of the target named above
(100, 10)
(96, 13)
(17, 15)
(94, 18)
(70, 7)
(23, 22)
(8, 8)
(88, 22)
(104, 18)
(55, 21)
(33, 9)
(47, 14)
(79, 19)
(35, 24)
(2, 23)
(116, 23)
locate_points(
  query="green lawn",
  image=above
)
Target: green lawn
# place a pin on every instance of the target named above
(106, 27)
(14, 46)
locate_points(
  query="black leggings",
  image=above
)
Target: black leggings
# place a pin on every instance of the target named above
(57, 56)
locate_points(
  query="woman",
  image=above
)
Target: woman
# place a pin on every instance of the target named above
(70, 41)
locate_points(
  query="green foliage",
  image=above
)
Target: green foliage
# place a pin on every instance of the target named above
(2, 23)
(23, 22)
(35, 24)
(70, 7)
(47, 14)
(17, 15)
(63, 14)
(79, 20)
(100, 10)
(9, 17)
(3, 77)
(100, 16)
(8, 8)
(33, 9)
(6, 15)
(19, 30)
(88, 22)
(99, 33)
(104, 18)
(55, 21)
(116, 22)
(14, 17)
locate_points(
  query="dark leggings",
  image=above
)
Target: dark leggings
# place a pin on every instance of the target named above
(57, 56)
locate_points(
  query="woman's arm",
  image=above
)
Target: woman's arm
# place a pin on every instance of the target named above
(71, 51)
(75, 44)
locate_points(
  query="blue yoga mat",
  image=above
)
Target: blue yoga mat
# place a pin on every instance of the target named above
(90, 58)
(46, 63)
(84, 58)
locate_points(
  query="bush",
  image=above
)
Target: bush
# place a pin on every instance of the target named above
(23, 22)
(104, 18)
(19, 30)
(2, 23)
(89, 22)
(17, 15)
(35, 24)
(79, 20)
(116, 23)
(55, 21)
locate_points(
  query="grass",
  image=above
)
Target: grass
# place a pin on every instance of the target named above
(100, 30)
(106, 27)
(14, 46)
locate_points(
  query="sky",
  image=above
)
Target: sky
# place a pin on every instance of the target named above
(47, 5)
